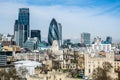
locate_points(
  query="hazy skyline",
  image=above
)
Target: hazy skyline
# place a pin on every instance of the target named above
(98, 17)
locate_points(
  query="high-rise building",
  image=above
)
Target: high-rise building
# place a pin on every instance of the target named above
(21, 27)
(60, 33)
(36, 33)
(16, 30)
(85, 38)
(108, 40)
(67, 43)
(55, 32)
(31, 43)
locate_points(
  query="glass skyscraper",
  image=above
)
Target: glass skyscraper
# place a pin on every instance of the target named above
(21, 27)
(55, 32)
(36, 33)
(60, 33)
(108, 40)
(85, 38)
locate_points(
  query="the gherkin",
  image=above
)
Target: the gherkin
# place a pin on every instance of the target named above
(55, 32)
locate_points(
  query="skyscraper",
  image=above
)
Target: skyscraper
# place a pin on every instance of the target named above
(60, 33)
(31, 43)
(85, 38)
(108, 40)
(55, 32)
(36, 33)
(16, 37)
(21, 27)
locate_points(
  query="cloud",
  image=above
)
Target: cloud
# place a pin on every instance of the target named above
(74, 19)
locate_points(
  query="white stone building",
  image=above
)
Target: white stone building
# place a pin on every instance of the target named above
(28, 65)
(93, 61)
(31, 56)
(98, 46)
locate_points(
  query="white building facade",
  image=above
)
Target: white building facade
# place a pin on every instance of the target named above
(99, 45)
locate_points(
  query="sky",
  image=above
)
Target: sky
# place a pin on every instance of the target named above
(98, 17)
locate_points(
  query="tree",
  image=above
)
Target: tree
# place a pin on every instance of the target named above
(75, 73)
(118, 75)
(101, 73)
(56, 65)
(6, 74)
(22, 71)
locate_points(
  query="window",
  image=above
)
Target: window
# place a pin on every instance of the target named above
(98, 62)
(89, 65)
(89, 71)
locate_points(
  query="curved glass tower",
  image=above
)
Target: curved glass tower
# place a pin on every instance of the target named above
(54, 33)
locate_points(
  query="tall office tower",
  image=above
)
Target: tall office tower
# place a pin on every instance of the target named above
(21, 27)
(36, 33)
(108, 40)
(60, 33)
(85, 38)
(55, 32)
(16, 32)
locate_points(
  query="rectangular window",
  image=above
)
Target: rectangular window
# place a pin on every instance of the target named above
(89, 71)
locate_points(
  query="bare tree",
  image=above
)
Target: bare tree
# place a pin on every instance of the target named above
(6, 74)
(22, 71)
(101, 73)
